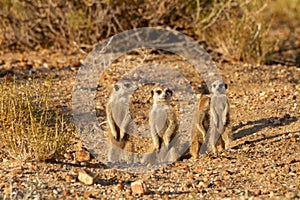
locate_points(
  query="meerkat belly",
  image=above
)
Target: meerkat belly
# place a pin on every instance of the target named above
(159, 116)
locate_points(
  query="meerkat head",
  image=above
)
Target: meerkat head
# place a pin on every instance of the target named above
(161, 94)
(218, 87)
(124, 88)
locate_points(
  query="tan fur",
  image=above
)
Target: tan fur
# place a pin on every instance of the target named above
(200, 126)
(163, 126)
(212, 108)
(120, 122)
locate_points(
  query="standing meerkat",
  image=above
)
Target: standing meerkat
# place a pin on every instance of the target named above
(163, 124)
(212, 121)
(200, 125)
(120, 122)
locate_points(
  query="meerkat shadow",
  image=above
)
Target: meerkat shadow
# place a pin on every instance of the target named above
(168, 154)
(158, 157)
(240, 131)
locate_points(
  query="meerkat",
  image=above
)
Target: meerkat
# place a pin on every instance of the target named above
(119, 121)
(200, 126)
(212, 121)
(163, 124)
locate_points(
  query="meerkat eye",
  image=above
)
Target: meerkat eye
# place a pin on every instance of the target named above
(127, 85)
(158, 92)
(117, 87)
(214, 85)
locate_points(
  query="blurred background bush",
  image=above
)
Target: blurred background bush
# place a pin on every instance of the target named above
(236, 30)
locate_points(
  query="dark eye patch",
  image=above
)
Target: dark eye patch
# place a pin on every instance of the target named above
(169, 92)
(127, 85)
(158, 92)
(117, 87)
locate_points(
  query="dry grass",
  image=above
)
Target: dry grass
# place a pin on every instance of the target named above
(30, 129)
(237, 30)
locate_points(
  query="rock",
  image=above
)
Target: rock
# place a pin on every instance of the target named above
(120, 187)
(128, 194)
(138, 187)
(202, 184)
(87, 195)
(70, 178)
(66, 193)
(290, 195)
(86, 178)
(83, 155)
(7, 191)
(257, 192)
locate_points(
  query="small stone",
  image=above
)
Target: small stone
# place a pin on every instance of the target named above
(290, 195)
(198, 169)
(85, 177)
(293, 139)
(128, 194)
(120, 187)
(83, 155)
(70, 178)
(138, 187)
(149, 166)
(16, 172)
(157, 192)
(202, 184)
(257, 192)
(272, 195)
(205, 179)
(66, 193)
(87, 195)
(7, 191)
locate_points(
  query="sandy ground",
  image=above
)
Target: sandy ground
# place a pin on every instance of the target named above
(262, 163)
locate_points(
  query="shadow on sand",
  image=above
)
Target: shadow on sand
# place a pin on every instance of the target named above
(239, 131)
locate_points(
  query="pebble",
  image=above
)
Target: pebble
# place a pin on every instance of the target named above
(290, 195)
(257, 192)
(66, 193)
(87, 195)
(119, 187)
(138, 187)
(83, 155)
(85, 177)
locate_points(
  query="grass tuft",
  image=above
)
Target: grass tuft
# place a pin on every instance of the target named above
(30, 129)
(239, 31)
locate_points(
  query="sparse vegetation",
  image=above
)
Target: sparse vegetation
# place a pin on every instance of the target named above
(49, 39)
(236, 29)
(239, 31)
(30, 129)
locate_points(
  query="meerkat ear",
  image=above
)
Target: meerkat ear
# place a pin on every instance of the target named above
(152, 93)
